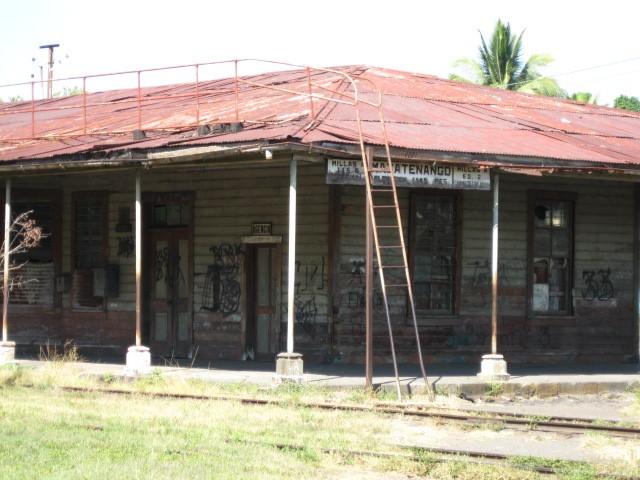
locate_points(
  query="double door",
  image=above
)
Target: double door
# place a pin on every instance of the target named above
(170, 292)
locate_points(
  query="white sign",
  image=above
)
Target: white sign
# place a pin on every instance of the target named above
(351, 172)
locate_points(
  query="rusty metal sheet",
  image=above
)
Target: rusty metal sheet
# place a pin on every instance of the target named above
(421, 112)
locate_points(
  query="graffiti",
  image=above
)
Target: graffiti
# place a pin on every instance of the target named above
(221, 292)
(306, 315)
(162, 265)
(310, 278)
(602, 289)
(162, 268)
(126, 246)
(357, 295)
(357, 271)
(521, 337)
(482, 274)
(304, 298)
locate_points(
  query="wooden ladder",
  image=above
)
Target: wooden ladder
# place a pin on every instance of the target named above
(391, 251)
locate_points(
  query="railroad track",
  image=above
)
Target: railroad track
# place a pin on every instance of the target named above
(446, 455)
(567, 425)
(473, 418)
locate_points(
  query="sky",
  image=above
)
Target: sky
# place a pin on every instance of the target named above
(596, 48)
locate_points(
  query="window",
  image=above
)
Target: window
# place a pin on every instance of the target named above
(38, 266)
(435, 252)
(89, 247)
(550, 252)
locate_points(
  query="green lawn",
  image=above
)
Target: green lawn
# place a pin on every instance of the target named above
(50, 433)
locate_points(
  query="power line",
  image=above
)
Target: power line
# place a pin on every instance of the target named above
(584, 70)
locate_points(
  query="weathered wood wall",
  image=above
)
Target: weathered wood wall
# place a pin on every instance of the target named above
(598, 331)
(330, 270)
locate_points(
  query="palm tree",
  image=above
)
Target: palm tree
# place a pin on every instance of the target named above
(500, 65)
(584, 97)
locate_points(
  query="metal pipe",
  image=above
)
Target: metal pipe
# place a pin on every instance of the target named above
(292, 253)
(494, 266)
(369, 295)
(7, 248)
(138, 261)
(139, 100)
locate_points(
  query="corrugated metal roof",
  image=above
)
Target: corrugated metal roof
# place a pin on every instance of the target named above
(421, 112)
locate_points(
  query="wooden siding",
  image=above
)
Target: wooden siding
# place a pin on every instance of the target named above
(598, 330)
(330, 274)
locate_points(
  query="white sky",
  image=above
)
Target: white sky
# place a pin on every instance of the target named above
(596, 45)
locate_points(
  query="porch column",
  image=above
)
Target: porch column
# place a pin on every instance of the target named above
(138, 356)
(7, 348)
(493, 367)
(289, 364)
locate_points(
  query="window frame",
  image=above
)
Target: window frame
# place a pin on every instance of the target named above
(430, 315)
(548, 195)
(76, 197)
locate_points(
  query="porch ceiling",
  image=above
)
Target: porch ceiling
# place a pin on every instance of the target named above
(421, 112)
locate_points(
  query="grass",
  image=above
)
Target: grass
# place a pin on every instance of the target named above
(48, 432)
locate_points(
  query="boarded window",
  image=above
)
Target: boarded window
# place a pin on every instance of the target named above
(551, 238)
(434, 252)
(89, 248)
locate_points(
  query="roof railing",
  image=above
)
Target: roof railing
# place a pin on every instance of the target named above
(43, 111)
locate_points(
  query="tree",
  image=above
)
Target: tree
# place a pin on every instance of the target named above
(25, 234)
(500, 65)
(627, 103)
(584, 97)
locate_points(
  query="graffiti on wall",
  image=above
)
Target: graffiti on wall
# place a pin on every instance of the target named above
(597, 285)
(309, 281)
(356, 296)
(478, 285)
(126, 246)
(522, 337)
(162, 268)
(221, 292)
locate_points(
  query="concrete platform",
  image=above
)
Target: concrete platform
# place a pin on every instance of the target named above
(526, 380)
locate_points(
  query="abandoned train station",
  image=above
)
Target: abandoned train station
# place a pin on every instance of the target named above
(225, 218)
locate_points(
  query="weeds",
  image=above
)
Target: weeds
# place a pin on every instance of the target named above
(53, 353)
(534, 420)
(494, 389)
(565, 469)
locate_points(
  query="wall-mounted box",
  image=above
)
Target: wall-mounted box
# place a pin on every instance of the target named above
(106, 281)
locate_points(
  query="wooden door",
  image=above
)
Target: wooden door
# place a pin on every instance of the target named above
(169, 292)
(262, 331)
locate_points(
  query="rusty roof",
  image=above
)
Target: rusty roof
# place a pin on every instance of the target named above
(316, 107)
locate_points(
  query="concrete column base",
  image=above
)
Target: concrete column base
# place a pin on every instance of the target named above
(289, 368)
(7, 352)
(138, 361)
(493, 368)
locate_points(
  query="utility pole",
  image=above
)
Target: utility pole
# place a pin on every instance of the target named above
(50, 72)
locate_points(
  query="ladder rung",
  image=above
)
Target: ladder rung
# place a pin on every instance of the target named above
(393, 266)
(382, 190)
(387, 226)
(398, 285)
(389, 246)
(384, 206)
(388, 170)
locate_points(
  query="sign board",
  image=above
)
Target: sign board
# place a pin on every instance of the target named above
(351, 172)
(261, 229)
